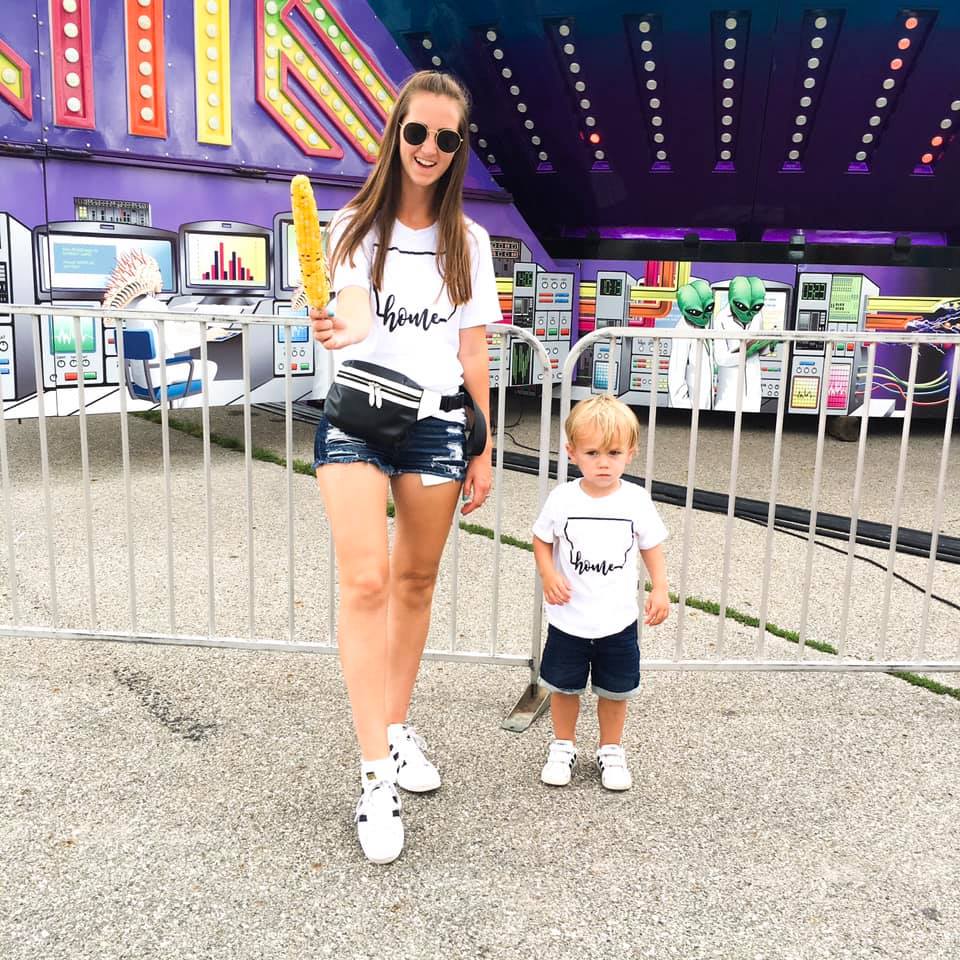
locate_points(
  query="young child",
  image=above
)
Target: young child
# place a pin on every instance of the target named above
(586, 541)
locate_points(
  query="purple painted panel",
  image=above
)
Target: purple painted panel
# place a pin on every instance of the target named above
(780, 235)
(503, 219)
(177, 197)
(711, 272)
(654, 233)
(21, 190)
(899, 281)
(715, 272)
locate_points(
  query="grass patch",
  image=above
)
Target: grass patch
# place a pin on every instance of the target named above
(476, 529)
(228, 443)
(749, 620)
(920, 681)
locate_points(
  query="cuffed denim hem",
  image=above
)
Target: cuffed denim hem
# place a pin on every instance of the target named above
(573, 693)
(612, 695)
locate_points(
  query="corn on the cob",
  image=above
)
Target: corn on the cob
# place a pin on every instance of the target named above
(306, 225)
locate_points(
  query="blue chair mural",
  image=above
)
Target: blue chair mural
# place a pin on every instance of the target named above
(139, 346)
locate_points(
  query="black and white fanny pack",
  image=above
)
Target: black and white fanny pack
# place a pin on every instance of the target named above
(380, 406)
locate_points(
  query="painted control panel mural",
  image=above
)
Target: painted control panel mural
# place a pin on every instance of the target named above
(766, 298)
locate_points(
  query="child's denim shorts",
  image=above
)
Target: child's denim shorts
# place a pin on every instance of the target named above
(433, 447)
(612, 663)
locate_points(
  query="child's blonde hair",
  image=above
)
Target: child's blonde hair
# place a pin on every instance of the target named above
(611, 417)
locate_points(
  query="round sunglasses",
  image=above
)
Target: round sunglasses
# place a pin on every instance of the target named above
(415, 133)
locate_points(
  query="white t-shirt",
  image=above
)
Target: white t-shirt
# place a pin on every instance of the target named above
(596, 543)
(416, 330)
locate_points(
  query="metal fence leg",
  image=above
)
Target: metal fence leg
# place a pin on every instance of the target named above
(533, 701)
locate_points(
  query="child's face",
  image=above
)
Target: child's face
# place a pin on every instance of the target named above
(602, 466)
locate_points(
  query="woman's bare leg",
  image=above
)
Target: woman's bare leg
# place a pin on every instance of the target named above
(355, 496)
(423, 518)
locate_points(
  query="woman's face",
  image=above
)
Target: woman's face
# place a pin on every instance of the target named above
(425, 163)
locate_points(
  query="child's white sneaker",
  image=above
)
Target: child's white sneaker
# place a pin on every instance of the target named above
(379, 827)
(612, 763)
(414, 771)
(560, 760)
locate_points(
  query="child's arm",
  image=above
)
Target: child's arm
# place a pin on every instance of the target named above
(555, 587)
(657, 607)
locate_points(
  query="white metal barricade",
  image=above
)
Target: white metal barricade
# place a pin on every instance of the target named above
(842, 659)
(168, 584)
(198, 592)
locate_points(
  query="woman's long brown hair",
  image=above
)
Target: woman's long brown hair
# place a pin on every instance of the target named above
(377, 202)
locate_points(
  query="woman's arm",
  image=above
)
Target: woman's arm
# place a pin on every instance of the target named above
(476, 380)
(345, 322)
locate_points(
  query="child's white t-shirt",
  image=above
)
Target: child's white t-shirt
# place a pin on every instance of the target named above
(596, 543)
(416, 330)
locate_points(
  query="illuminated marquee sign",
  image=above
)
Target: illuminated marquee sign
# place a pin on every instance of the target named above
(146, 76)
(72, 63)
(15, 81)
(315, 79)
(211, 23)
(285, 53)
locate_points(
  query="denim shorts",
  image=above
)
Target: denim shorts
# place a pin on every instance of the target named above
(433, 447)
(613, 663)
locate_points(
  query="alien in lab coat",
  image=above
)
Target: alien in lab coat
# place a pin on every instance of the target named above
(742, 312)
(695, 300)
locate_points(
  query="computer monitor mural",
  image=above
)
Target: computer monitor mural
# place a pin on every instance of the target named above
(834, 299)
(74, 262)
(225, 258)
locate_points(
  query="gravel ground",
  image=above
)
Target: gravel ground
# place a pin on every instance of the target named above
(174, 803)
(160, 802)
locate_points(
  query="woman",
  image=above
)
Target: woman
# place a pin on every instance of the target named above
(414, 287)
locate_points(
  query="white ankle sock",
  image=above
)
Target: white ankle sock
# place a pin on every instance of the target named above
(395, 732)
(373, 770)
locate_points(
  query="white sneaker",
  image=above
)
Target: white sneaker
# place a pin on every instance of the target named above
(612, 763)
(414, 771)
(379, 827)
(560, 760)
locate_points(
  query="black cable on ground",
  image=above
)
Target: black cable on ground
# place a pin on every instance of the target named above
(860, 556)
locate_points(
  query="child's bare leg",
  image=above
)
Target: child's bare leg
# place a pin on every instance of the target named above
(611, 715)
(564, 710)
